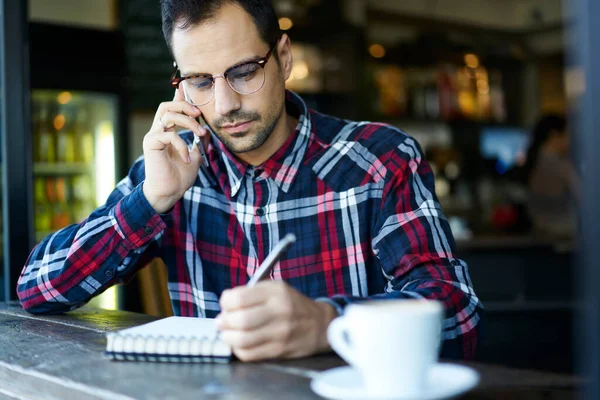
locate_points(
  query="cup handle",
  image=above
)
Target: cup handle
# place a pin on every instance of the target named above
(337, 340)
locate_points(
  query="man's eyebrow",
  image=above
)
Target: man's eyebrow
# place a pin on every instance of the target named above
(243, 60)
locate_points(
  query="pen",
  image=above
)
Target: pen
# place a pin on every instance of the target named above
(267, 265)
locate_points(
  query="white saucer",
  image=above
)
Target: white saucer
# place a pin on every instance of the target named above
(445, 382)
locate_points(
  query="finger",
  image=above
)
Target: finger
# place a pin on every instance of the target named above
(179, 93)
(180, 98)
(275, 340)
(244, 339)
(242, 297)
(178, 105)
(265, 351)
(246, 319)
(172, 119)
(161, 140)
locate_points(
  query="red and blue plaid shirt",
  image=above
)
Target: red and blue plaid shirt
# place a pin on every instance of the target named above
(358, 196)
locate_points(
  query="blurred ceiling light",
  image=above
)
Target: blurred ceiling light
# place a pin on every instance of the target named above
(472, 60)
(64, 97)
(467, 72)
(452, 170)
(442, 187)
(483, 87)
(285, 23)
(59, 122)
(299, 70)
(377, 50)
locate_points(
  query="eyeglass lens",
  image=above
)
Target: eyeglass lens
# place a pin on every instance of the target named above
(244, 79)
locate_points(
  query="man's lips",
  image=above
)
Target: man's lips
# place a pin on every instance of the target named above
(239, 127)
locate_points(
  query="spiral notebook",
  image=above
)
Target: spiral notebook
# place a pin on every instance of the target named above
(172, 339)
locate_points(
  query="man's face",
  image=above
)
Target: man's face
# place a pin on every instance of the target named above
(243, 122)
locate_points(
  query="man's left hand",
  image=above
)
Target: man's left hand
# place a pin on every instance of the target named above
(273, 320)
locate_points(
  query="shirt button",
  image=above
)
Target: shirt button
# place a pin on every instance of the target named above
(455, 263)
(109, 273)
(260, 212)
(257, 173)
(148, 230)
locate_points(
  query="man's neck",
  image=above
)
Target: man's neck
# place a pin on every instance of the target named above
(284, 128)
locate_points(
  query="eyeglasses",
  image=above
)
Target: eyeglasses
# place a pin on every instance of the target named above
(244, 78)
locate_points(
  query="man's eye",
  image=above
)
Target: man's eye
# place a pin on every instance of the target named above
(201, 84)
(245, 72)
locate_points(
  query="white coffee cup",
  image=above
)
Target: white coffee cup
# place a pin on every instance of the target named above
(392, 343)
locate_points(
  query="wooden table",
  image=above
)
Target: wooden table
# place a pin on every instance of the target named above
(61, 357)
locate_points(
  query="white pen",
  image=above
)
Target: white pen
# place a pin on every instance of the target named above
(267, 265)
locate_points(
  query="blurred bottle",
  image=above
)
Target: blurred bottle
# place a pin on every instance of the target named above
(65, 135)
(431, 94)
(50, 190)
(448, 94)
(84, 137)
(497, 104)
(44, 148)
(35, 128)
(483, 93)
(81, 202)
(43, 210)
(467, 92)
(60, 216)
(418, 94)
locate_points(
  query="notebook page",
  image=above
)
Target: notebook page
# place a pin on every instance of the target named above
(185, 327)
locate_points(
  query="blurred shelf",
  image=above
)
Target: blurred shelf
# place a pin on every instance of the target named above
(62, 169)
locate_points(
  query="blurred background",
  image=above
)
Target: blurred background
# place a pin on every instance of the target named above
(481, 84)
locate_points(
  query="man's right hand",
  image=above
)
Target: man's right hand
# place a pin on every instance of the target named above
(170, 167)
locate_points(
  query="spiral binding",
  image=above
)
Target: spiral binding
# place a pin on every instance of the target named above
(126, 347)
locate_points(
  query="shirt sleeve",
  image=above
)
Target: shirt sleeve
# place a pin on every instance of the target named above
(74, 264)
(415, 250)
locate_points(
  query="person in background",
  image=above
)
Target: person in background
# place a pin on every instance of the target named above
(359, 197)
(554, 186)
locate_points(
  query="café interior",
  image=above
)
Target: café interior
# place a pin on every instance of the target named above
(468, 79)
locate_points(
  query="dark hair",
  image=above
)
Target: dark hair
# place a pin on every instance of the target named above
(184, 14)
(552, 123)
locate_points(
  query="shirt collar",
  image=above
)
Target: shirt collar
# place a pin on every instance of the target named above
(282, 167)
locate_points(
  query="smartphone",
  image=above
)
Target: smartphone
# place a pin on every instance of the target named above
(198, 142)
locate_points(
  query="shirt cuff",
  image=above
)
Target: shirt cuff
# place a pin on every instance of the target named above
(137, 219)
(338, 308)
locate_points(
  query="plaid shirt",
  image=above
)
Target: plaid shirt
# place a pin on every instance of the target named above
(358, 196)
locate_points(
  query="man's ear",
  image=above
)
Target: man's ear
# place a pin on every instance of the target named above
(284, 51)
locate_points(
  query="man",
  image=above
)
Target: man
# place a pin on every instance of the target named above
(358, 196)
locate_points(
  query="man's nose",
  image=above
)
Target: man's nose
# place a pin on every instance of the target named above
(226, 99)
